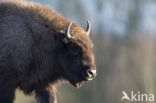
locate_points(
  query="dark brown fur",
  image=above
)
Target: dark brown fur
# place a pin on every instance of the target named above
(35, 53)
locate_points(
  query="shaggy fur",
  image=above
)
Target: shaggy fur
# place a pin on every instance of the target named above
(34, 51)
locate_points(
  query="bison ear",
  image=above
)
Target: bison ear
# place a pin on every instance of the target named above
(64, 37)
(47, 26)
(60, 37)
(64, 40)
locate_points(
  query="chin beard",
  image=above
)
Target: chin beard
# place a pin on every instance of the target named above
(77, 84)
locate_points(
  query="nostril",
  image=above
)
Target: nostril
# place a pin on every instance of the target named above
(91, 72)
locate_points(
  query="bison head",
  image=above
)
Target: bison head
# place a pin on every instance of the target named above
(75, 55)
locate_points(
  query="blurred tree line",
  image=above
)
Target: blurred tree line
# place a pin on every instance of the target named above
(123, 32)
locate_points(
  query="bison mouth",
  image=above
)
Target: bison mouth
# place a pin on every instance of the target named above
(79, 83)
(79, 79)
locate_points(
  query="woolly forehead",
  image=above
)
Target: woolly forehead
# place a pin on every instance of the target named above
(82, 40)
(80, 37)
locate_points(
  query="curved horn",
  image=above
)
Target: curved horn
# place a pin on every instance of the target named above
(88, 27)
(68, 35)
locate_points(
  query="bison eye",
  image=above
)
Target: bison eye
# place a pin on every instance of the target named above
(76, 51)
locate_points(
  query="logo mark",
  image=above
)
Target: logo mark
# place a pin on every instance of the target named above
(137, 96)
(125, 96)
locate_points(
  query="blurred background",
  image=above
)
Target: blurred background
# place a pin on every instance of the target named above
(124, 36)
